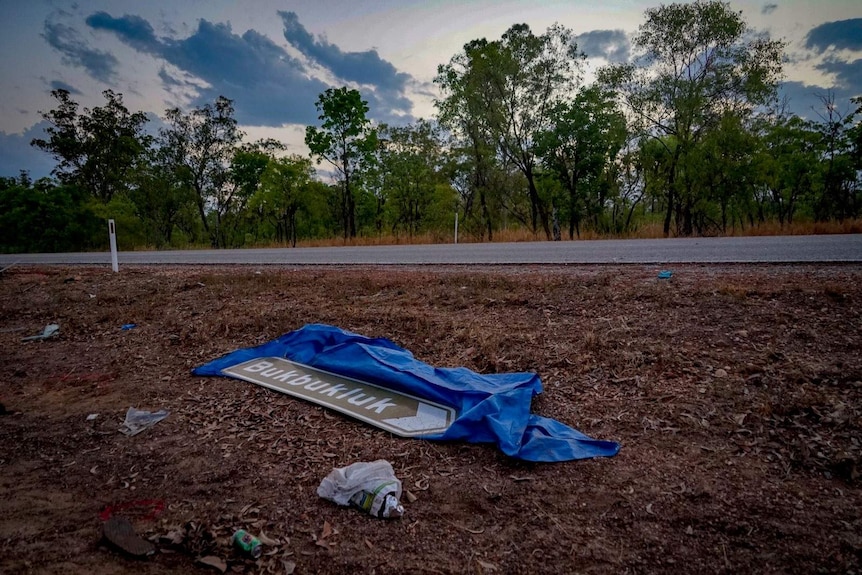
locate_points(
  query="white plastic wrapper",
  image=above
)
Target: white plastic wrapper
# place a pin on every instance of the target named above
(137, 420)
(370, 486)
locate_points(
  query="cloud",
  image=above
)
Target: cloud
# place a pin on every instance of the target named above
(843, 34)
(268, 85)
(769, 8)
(806, 100)
(60, 85)
(99, 64)
(134, 30)
(17, 154)
(612, 45)
(848, 74)
(366, 68)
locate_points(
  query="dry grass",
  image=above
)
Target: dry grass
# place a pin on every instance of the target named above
(645, 231)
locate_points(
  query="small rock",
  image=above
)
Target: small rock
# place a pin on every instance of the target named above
(720, 373)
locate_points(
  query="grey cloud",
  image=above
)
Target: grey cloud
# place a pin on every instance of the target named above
(168, 80)
(843, 34)
(366, 67)
(612, 45)
(99, 64)
(769, 8)
(134, 30)
(60, 85)
(805, 100)
(268, 85)
(17, 154)
(848, 74)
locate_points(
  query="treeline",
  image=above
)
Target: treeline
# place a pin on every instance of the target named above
(689, 136)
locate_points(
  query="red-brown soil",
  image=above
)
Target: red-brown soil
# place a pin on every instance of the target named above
(735, 391)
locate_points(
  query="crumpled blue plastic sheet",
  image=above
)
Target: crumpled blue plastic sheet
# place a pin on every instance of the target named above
(492, 408)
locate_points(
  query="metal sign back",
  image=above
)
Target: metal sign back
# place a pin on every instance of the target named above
(400, 413)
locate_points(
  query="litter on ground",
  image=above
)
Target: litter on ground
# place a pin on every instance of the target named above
(50, 330)
(489, 408)
(138, 420)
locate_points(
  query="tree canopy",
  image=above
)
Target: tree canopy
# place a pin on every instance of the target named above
(687, 137)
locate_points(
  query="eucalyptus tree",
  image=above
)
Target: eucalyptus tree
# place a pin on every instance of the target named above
(727, 163)
(162, 196)
(98, 149)
(230, 208)
(200, 146)
(788, 165)
(693, 64)
(285, 188)
(471, 158)
(410, 161)
(582, 144)
(45, 216)
(841, 195)
(504, 92)
(346, 140)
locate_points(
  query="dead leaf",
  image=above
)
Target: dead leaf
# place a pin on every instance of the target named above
(369, 544)
(410, 497)
(517, 479)
(486, 565)
(327, 530)
(213, 561)
(289, 567)
(266, 540)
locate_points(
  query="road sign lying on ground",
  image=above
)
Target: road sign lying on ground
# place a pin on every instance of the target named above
(357, 375)
(399, 413)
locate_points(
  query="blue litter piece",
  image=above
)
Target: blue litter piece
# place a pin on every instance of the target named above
(491, 408)
(665, 275)
(128, 326)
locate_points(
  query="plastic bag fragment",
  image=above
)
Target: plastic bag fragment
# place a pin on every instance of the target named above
(137, 420)
(50, 330)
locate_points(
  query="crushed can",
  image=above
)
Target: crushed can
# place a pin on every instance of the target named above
(247, 543)
(382, 502)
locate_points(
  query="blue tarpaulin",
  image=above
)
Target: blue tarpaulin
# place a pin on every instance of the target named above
(492, 408)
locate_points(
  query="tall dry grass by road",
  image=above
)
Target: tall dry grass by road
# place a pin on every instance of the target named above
(646, 231)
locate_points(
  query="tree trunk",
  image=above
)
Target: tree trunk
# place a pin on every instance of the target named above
(536, 205)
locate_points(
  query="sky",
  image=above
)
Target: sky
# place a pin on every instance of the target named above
(273, 58)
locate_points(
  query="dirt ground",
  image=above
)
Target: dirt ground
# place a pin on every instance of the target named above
(735, 391)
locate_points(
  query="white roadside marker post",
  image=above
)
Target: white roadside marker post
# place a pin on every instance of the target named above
(456, 226)
(112, 232)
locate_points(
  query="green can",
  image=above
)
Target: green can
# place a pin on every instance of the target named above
(247, 543)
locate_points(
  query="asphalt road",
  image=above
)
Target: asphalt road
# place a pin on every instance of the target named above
(766, 249)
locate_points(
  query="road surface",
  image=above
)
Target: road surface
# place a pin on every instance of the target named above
(766, 249)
